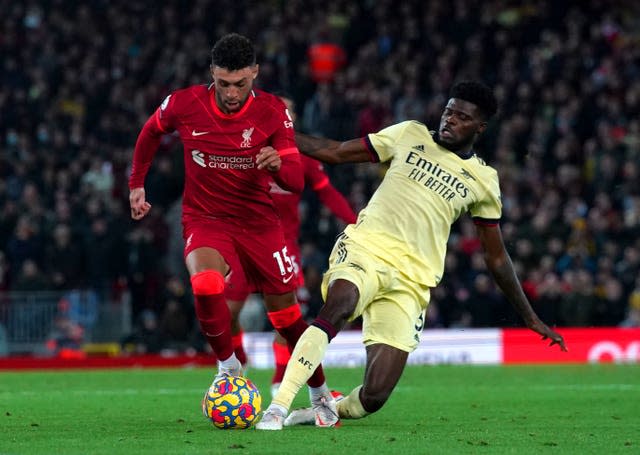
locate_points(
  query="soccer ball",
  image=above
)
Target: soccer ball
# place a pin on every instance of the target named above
(232, 403)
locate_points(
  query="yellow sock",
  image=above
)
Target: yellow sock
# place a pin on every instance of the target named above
(305, 358)
(350, 406)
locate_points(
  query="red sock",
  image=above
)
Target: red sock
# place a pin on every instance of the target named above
(281, 355)
(290, 325)
(238, 347)
(215, 322)
(212, 311)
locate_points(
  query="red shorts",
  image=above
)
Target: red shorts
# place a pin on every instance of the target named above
(238, 288)
(258, 255)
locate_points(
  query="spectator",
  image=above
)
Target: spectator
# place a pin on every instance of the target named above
(578, 306)
(66, 339)
(177, 318)
(65, 259)
(632, 318)
(30, 278)
(146, 337)
(24, 245)
(567, 145)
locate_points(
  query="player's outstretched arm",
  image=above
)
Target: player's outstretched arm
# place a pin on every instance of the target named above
(333, 152)
(500, 265)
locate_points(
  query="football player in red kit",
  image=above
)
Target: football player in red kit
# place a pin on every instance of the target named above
(237, 140)
(286, 203)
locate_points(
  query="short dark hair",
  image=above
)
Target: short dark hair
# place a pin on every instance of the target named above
(233, 52)
(477, 93)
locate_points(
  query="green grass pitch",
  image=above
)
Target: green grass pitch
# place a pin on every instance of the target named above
(571, 409)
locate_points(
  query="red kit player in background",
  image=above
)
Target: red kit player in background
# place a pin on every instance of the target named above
(236, 141)
(286, 203)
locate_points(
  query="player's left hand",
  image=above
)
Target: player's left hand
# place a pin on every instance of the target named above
(269, 159)
(546, 332)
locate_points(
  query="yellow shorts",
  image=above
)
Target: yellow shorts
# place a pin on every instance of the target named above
(391, 305)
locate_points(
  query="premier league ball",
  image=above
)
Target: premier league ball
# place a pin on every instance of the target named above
(232, 403)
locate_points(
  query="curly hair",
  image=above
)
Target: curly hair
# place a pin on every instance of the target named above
(477, 93)
(233, 52)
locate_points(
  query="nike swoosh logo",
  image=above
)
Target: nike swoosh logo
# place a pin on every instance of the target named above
(286, 280)
(199, 133)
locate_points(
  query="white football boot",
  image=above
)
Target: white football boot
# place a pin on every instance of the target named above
(272, 419)
(316, 414)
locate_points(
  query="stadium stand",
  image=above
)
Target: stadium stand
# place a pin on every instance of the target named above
(78, 78)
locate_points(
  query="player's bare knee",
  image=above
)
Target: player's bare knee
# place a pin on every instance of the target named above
(277, 302)
(344, 309)
(343, 294)
(336, 315)
(338, 309)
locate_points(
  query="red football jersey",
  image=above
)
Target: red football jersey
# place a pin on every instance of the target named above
(221, 177)
(315, 178)
(287, 202)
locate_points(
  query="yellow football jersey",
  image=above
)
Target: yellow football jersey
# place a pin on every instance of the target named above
(408, 220)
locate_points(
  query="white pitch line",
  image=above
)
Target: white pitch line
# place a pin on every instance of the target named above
(174, 391)
(106, 392)
(587, 387)
(577, 387)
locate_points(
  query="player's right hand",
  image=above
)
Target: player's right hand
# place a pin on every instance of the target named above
(139, 205)
(269, 159)
(548, 334)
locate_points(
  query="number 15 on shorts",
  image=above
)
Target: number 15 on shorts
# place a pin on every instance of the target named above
(285, 264)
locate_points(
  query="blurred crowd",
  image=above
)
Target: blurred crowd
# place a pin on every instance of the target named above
(79, 78)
